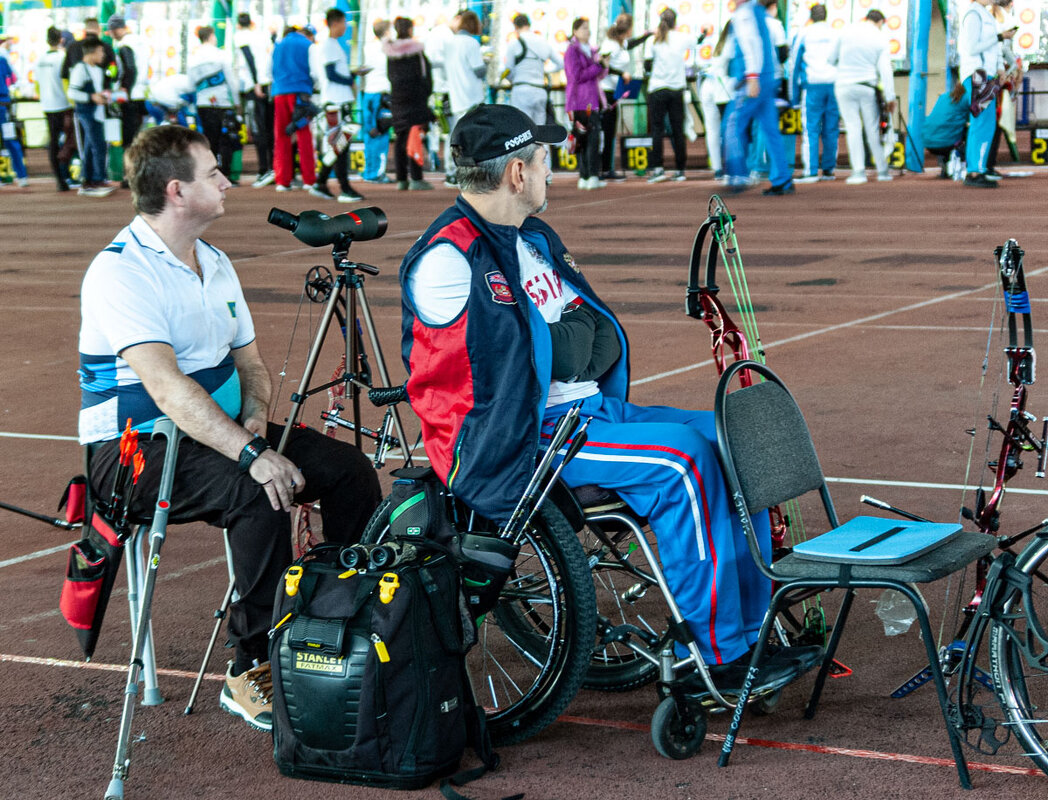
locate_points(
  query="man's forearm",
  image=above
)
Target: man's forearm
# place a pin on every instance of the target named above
(198, 416)
(256, 391)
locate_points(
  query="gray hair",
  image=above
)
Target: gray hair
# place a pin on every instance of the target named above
(486, 176)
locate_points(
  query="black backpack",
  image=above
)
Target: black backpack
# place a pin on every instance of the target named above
(368, 660)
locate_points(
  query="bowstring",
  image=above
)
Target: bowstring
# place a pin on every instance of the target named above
(996, 326)
(731, 257)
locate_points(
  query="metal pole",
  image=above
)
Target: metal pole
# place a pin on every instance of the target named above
(919, 35)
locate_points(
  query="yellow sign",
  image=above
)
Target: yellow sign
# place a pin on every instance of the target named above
(790, 122)
(1039, 146)
(897, 158)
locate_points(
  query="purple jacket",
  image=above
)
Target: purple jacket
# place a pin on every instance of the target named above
(583, 74)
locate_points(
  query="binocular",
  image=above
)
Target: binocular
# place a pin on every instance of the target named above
(376, 556)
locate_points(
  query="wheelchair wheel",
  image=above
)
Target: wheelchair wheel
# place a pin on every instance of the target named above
(673, 736)
(628, 600)
(1019, 656)
(533, 648)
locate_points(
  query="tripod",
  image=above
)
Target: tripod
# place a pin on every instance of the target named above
(344, 299)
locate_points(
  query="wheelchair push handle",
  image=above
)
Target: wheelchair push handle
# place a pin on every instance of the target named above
(387, 395)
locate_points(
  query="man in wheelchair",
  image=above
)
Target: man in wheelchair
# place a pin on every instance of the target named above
(165, 331)
(502, 334)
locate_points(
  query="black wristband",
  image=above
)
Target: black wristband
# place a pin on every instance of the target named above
(251, 451)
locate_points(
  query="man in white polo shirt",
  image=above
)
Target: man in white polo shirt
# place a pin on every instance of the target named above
(165, 331)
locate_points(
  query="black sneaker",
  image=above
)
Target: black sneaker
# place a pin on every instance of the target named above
(772, 675)
(781, 189)
(979, 180)
(322, 192)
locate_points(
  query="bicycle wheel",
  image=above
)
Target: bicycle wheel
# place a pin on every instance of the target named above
(1019, 656)
(629, 603)
(533, 648)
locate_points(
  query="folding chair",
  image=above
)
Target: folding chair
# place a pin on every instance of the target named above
(768, 458)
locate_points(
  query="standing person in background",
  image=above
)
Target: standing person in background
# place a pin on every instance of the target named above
(292, 86)
(1013, 72)
(8, 138)
(811, 84)
(376, 84)
(336, 95)
(615, 49)
(411, 82)
(465, 70)
(583, 69)
(714, 97)
(215, 84)
(525, 62)
(255, 73)
(132, 63)
(979, 46)
(89, 95)
(752, 68)
(75, 50)
(666, 94)
(436, 50)
(55, 104)
(863, 64)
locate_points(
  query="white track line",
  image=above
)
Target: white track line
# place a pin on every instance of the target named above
(918, 485)
(37, 554)
(832, 328)
(101, 667)
(46, 436)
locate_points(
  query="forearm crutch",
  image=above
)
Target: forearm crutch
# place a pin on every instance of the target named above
(157, 533)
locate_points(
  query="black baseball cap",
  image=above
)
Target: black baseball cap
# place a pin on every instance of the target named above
(489, 131)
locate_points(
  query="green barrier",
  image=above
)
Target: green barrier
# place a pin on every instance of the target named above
(116, 162)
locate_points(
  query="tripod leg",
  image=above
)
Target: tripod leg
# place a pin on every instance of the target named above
(220, 615)
(311, 362)
(380, 364)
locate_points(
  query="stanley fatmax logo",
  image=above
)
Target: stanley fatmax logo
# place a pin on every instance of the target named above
(318, 662)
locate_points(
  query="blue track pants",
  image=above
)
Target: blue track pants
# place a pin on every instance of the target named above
(662, 461)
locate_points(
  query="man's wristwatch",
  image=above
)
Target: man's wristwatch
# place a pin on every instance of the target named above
(251, 451)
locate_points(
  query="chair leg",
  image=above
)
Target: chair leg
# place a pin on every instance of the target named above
(220, 615)
(940, 684)
(751, 677)
(831, 651)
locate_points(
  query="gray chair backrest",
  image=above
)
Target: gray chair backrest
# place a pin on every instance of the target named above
(770, 445)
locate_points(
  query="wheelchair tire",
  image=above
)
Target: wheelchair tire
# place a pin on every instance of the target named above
(626, 594)
(674, 737)
(1018, 656)
(534, 647)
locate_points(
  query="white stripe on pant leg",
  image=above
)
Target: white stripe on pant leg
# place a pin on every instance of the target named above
(809, 167)
(696, 513)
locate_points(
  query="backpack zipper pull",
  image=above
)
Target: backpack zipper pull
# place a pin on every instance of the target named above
(380, 648)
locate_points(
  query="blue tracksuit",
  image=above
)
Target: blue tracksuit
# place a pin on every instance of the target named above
(754, 57)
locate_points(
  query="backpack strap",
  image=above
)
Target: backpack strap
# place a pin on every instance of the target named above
(479, 738)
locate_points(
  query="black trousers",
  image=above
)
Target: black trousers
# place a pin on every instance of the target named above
(262, 128)
(131, 115)
(660, 103)
(60, 150)
(210, 488)
(587, 142)
(402, 165)
(609, 123)
(212, 121)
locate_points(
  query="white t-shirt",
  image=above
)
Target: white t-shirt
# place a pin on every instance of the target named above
(135, 292)
(213, 78)
(376, 81)
(619, 60)
(668, 57)
(331, 52)
(462, 57)
(531, 69)
(436, 51)
(49, 79)
(261, 51)
(439, 283)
